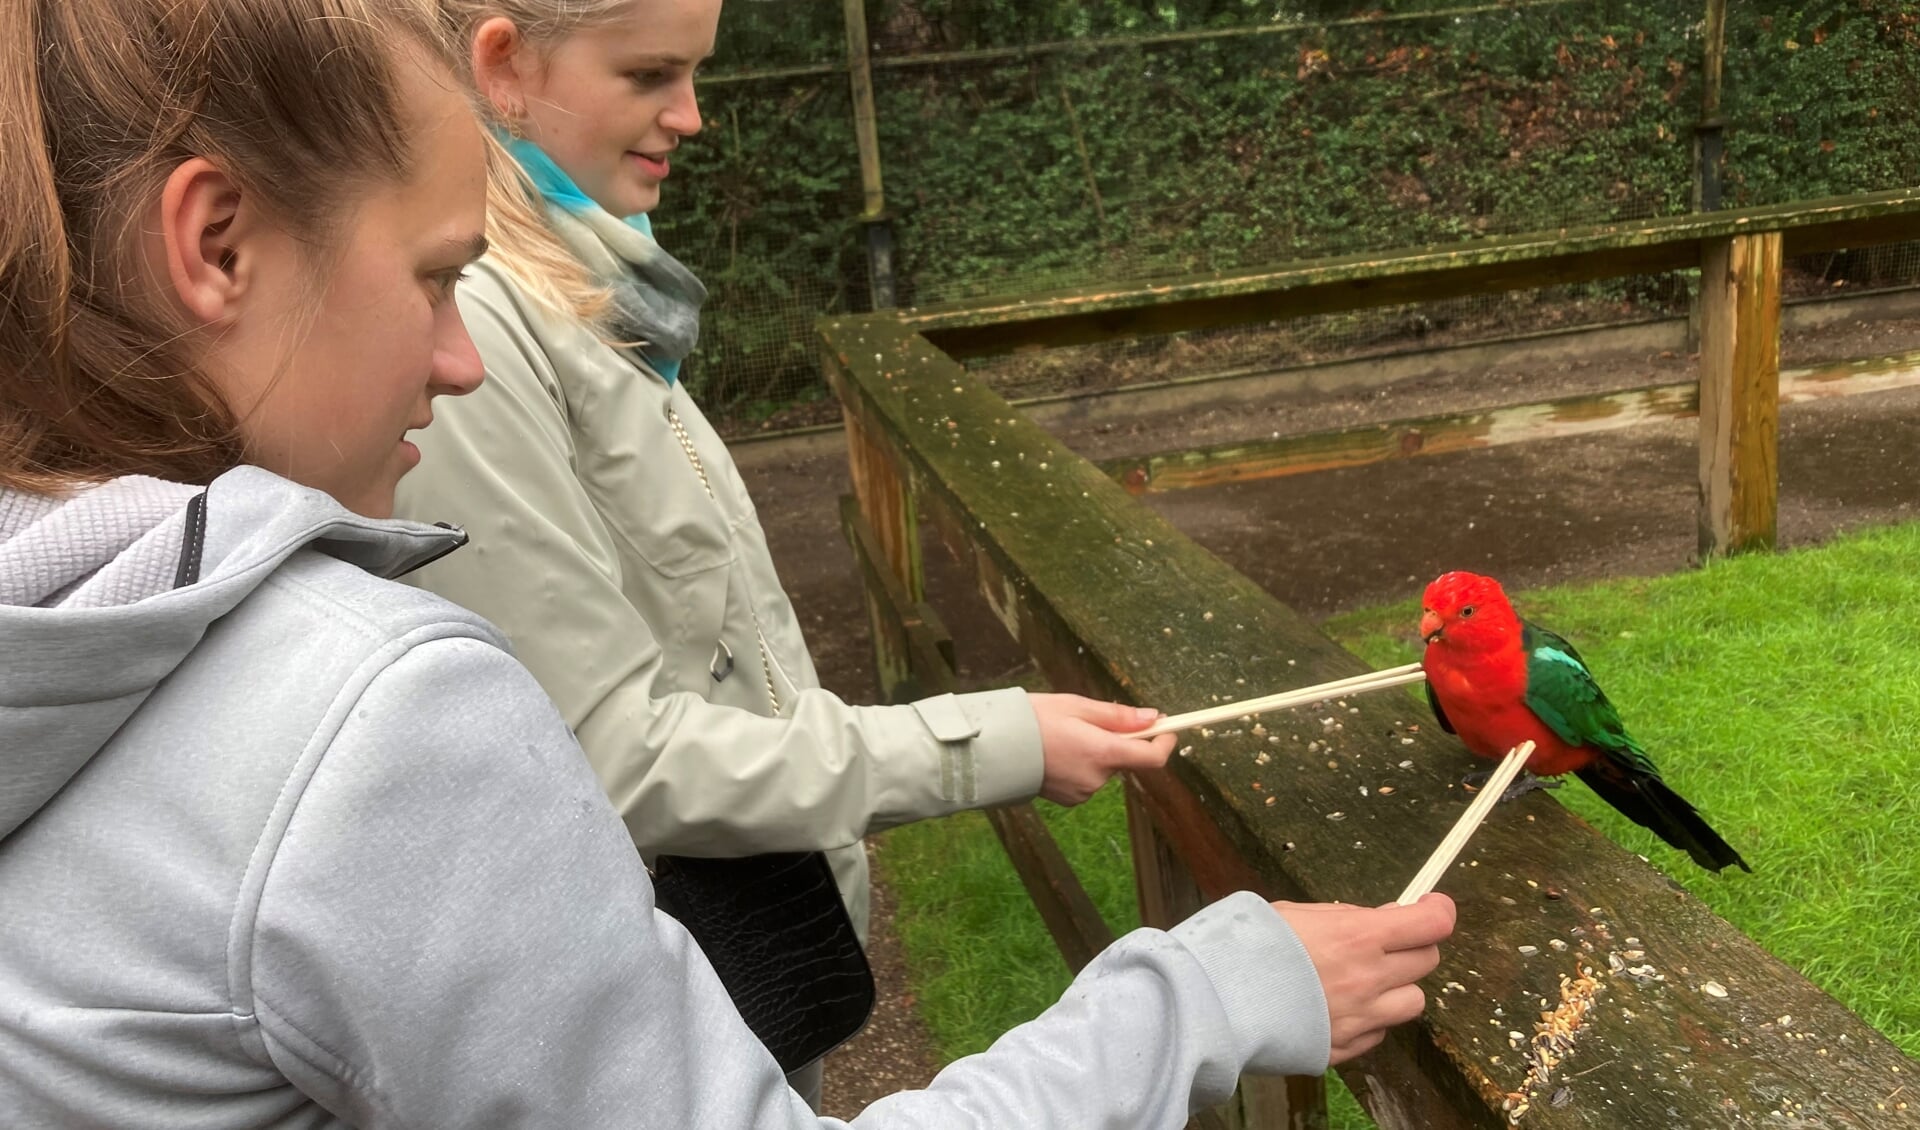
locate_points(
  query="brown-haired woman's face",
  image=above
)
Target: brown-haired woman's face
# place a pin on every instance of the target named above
(327, 374)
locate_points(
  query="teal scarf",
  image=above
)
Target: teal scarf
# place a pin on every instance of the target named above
(656, 300)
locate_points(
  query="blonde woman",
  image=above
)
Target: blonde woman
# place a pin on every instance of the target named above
(285, 844)
(615, 542)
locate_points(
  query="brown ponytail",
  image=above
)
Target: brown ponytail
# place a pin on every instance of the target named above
(99, 100)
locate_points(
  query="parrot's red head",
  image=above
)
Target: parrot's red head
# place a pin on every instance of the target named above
(1467, 612)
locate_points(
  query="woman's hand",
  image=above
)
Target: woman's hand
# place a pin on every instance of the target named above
(1085, 741)
(1370, 962)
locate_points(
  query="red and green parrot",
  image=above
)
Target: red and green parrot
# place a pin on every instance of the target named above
(1497, 681)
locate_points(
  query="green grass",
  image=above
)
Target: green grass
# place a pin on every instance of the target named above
(1780, 694)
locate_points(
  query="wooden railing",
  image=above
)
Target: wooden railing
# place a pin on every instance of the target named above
(1690, 1023)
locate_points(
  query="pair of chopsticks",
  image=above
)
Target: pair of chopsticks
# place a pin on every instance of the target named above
(1470, 820)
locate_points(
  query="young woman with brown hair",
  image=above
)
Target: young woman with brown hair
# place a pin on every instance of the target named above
(283, 843)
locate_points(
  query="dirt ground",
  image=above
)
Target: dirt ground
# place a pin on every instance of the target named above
(1606, 505)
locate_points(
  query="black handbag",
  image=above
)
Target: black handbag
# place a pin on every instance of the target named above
(776, 932)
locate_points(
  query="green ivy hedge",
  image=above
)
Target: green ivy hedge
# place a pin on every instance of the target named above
(1011, 175)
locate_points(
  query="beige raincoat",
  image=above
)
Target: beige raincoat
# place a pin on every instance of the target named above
(614, 543)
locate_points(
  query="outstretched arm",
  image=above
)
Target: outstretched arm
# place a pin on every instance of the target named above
(449, 927)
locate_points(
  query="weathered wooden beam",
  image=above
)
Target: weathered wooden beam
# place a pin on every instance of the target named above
(1402, 439)
(1361, 281)
(886, 501)
(1168, 893)
(1111, 599)
(1739, 394)
(1490, 427)
(919, 643)
(1056, 892)
(913, 654)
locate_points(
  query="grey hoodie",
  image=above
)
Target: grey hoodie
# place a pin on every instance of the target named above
(285, 844)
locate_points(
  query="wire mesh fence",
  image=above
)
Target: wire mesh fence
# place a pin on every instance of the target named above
(1029, 146)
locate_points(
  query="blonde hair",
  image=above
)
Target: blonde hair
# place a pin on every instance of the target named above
(519, 240)
(298, 100)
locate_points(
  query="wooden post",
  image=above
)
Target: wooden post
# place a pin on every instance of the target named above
(1169, 893)
(886, 503)
(866, 132)
(1707, 131)
(1707, 135)
(1739, 393)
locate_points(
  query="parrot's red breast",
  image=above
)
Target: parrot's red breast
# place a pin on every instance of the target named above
(1476, 665)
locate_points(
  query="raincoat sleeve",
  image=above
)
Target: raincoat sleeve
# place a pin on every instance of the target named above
(445, 925)
(689, 777)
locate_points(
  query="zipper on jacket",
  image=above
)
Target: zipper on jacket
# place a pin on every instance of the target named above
(760, 636)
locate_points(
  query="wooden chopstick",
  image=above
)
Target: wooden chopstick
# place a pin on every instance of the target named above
(1449, 850)
(1357, 684)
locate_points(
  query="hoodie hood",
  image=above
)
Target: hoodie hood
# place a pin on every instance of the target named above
(104, 592)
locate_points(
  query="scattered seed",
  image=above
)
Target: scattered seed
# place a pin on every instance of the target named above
(1270, 801)
(1714, 989)
(1206, 615)
(1186, 751)
(1558, 945)
(1386, 790)
(1406, 765)
(1529, 951)
(1406, 741)
(1336, 816)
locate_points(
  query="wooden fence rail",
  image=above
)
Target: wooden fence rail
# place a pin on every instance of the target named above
(1682, 1021)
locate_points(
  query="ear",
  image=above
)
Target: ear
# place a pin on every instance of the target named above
(206, 233)
(501, 66)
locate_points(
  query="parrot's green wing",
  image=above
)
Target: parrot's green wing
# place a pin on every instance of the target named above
(1562, 693)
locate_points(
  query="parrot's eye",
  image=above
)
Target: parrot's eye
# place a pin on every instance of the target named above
(1466, 612)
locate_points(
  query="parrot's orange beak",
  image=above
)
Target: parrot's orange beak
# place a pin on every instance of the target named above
(1430, 625)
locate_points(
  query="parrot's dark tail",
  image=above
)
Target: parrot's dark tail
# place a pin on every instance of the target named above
(1647, 801)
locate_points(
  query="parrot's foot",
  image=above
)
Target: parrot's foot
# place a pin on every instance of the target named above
(1521, 786)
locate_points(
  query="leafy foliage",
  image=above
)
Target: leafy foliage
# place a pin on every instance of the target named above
(1093, 160)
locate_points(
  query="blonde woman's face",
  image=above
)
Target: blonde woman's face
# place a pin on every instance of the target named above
(612, 102)
(327, 386)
